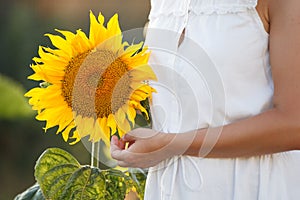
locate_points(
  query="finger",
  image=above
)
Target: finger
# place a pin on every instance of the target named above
(115, 151)
(120, 143)
(114, 140)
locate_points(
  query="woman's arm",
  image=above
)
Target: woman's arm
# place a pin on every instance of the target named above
(273, 131)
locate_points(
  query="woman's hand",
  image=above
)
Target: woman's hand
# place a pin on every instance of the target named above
(146, 148)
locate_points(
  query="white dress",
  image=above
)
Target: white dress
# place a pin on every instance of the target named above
(219, 74)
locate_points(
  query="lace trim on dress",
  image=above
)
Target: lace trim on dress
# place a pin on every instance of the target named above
(199, 7)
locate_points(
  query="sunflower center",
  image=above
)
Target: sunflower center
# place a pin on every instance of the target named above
(96, 84)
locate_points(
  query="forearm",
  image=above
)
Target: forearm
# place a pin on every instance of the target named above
(266, 133)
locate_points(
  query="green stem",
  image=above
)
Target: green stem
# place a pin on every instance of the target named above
(98, 153)
(92, 154)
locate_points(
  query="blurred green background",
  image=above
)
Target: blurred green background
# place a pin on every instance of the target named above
(23, 24)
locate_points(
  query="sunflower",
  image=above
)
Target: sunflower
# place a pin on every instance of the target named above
(91, 85)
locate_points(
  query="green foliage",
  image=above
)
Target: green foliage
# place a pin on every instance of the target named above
(53, 169)
(117, 184)
(13, 104)
(32, 193)
(139, 181)
(60, 176)
(84, 183)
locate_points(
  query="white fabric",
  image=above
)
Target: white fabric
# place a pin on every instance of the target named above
(219, 74)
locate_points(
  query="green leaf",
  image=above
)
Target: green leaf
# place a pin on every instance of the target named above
(53, 169)
(138, 177)
(85, 183)
(32, 193)
(118, 184)
(54, 181)
(60, 176)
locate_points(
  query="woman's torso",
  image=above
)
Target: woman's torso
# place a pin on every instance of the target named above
(219, 74)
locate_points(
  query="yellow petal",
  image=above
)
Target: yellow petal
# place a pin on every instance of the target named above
(68, 35)
(96, 135)
(111, 123)
(101, 18)
(80, 126)
(81, 43)
(105, 128)
(37, 60)
(143, 73)
(61, 44)
(86, 44)
(64, 122)
(141, 93)
(132, 49)
(131, 114)
(66, 132)
(97, 30)
(135, 59)
(135, 85)
(120, 116)
(51, 116)
(114, 34)
(121, 132)
(34, 91)
(125, 126)
(137, 97)
(58, 53)
(88, 125)
(113, 27)
(139, 107)
(146, 88)
(45, 56)
(99, 135)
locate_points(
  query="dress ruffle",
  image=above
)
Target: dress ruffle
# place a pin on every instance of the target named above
(199, 7)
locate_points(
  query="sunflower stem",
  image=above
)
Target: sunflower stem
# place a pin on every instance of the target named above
(98, 153)
(92, 154)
